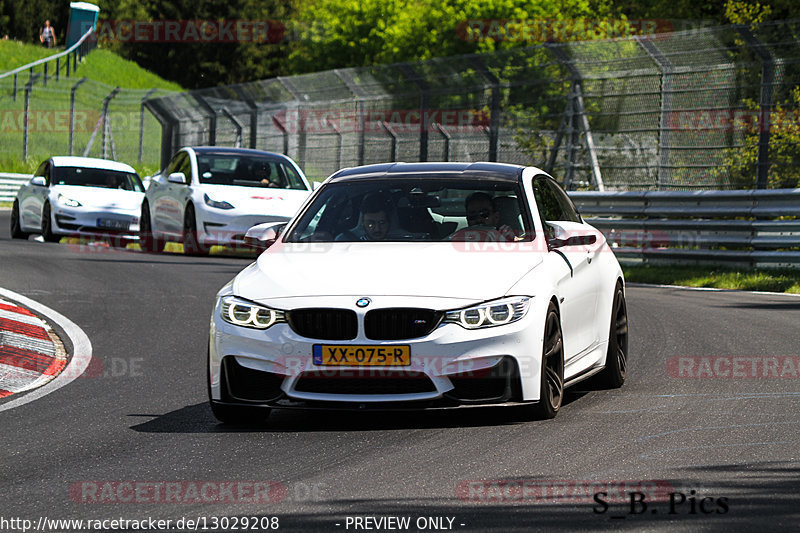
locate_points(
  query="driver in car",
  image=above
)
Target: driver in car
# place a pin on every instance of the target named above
(483, 221)
(375, 220)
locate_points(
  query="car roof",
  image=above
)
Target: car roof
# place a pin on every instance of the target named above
(90, 162)
(496, 171)
(233, 151)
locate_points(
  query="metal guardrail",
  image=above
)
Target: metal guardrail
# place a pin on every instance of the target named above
(10, 184)
(740, 228)
(48, 59)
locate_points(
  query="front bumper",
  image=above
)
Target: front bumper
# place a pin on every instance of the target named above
(449, 367)
(228, 228)
(87, 221)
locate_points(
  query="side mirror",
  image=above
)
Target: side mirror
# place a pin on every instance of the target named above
(177, 177)
(578, 240)
(39, 181)
(262, 236)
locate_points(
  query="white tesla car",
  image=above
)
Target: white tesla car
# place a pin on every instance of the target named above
(421, 285)
(79, 196)
(211, 196)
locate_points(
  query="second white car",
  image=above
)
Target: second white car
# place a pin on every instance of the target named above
(211, 196)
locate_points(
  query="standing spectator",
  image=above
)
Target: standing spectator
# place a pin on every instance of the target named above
(47, 35)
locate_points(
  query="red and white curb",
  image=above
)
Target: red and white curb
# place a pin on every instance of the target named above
(30, 352)
(31, 355)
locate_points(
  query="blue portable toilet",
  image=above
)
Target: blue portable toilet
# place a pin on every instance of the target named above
(82, 16)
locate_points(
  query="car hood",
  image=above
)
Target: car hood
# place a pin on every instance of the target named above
(100, 197)
(284, 202)
(434, 270)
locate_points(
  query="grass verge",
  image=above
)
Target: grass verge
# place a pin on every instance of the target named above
(772, 280)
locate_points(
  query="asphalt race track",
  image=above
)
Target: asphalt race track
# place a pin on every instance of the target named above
(725, 448)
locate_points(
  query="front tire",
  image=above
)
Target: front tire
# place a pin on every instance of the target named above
(191, 242)
(551, 387)
(47, 225)
(148, 242)
(613, 376)
(16, 223)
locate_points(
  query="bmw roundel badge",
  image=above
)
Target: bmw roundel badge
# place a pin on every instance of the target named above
(363, 302)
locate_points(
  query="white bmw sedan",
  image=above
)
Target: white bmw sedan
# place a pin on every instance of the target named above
(211, 196)
(421, 285)
(79, 196)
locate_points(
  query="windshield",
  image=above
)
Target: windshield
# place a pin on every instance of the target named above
(98, 177)
(415, 210)
(247, 171)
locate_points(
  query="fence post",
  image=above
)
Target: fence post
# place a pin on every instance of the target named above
(282, 128)
(347, 78)
(301, 120)
(72, 112)
(236, 124)
(424, 107)
(141, 123)
(665, 66)
(339, 143)
(765, 103)
(106, 125)
(447, 137)
(28, 87)
(212, 118)
(494, 106)
(393, 135)
(253, 114)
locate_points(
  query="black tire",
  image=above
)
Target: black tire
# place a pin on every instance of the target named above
(147, 241)
(234, 414)
(191, 244)
(552, 373)
(613, 376)
(47, 225)
(16, 225)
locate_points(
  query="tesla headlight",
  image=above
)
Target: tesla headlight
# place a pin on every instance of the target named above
(69, 202)
(490, 314)
(214, 203)
(248, 315)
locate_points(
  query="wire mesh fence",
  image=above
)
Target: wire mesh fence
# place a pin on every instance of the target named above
(712, 108)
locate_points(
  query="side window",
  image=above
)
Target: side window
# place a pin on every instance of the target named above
(175, 164)
(186, 168)
(43, 171)
(546, 201)
(568, 211)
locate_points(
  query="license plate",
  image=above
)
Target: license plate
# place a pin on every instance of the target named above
(358, 355)
(111, 223)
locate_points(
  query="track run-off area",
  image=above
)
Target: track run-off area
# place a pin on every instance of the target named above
(704, 433)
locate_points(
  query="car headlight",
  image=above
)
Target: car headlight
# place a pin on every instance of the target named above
(490, 314)
(69, 202)
(217, 204)
(248, 315)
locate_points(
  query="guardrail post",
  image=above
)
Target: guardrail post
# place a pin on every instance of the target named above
(45, 75)
(58, 67)
(72, 112)
(141, 123)
(14, 93)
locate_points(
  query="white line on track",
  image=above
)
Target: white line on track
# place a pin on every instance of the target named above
(81, 350)
(710, 289)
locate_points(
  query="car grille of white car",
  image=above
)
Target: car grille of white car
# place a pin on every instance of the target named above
(391, 324)
(398, 323)
(324, 324)
(387, 382)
